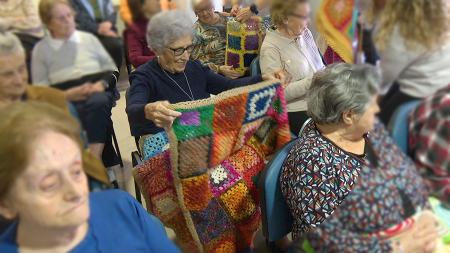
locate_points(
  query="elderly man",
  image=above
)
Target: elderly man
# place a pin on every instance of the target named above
(14, 88)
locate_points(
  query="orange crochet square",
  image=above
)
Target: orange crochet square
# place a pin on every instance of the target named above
(222, 146)
(248, 227)
(224, 244)
(154, 175)
(196, 192)
(193, 160)
(237, 202)
(165, 205)
(229, 114)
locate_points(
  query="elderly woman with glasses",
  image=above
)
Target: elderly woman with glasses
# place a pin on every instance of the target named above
(347, 185)
(291, 47)
(44, 190)
(172, 77)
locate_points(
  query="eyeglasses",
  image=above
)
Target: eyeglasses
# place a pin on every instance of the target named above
(299, 16)
(180, 51)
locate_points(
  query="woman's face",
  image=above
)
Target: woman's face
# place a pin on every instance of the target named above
(62, 24)
(365, 122)
(151, 7)
(298, 20)
(205, 11)
(175, 56)
(52, 192)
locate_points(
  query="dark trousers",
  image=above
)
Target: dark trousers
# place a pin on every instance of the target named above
(391, 101)
(114, 46)
(95, 114)
(28, 42)
(296, 120)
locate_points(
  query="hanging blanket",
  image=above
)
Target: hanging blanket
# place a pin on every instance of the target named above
(336, 21)
(203, 184)
(243, 42)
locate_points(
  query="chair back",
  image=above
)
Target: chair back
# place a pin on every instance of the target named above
(255, 69)
(398, 124)
(276, 217)
(125, 51)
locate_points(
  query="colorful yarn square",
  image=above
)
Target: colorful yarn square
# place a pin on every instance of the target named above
(223, 177)
(154, 145)
(237, 202)
(194, 123)
(194, 160)
(196, 192)
(234, 42)
(258, 103)
(252, 42)
(233, 59)
(222, 145)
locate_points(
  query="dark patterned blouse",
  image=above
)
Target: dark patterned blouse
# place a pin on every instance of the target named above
(339, 200)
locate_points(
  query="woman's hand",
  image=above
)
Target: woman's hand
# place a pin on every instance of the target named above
(97, 87)
(78, 93)
(229, 72)
(244, 14)
(421, 238)
(280, 75)
(160, 114)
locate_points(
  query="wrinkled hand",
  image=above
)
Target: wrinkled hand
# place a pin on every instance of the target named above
(97, 87)
(234, 10)
(229, 72)
(160, 114)
(244, 14)
(279, 76)
(78, 93)
(422, 237)
(105, 29)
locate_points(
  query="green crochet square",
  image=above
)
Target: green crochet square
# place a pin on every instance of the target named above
(192, 124)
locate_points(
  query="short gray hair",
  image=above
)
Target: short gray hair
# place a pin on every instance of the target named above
(9, 43)
(166, 27)
(339, 88)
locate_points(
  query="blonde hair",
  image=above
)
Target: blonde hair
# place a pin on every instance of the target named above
(46, 7)
(9, 43)
(423, 22)
(281, 9)
(22, 123)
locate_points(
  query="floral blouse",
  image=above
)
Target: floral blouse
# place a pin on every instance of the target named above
(210, 42)
(344, 200)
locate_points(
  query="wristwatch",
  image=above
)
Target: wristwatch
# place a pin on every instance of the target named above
(254, 9)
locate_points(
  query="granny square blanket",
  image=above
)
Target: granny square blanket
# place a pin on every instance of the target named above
(243, 43)
(203, 184)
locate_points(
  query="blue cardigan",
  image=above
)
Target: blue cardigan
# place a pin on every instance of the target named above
(118, 223)
(150, 84)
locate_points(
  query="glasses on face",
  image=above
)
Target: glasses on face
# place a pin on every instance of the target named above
(180, 51)
(302, 17)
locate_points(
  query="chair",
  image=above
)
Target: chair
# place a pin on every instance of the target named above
(398, 124)
(255, 69)
(125, 49)
(276, 217)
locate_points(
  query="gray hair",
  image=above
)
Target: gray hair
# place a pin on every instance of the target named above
(9, 43)
(340, 88)
(166, 27)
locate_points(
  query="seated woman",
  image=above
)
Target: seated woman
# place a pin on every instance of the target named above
(429, 141)
(68, 57)
(414, 56)
(143, 11)
(172, 77)
(210, 38)
(14, 88)
(291, 47)
(344, 180)
(43, 187)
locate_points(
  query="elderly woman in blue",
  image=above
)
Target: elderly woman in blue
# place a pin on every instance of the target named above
(44, 190)
(171, 77)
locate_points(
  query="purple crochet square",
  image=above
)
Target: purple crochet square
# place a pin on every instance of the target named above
(233, 59)
(252, 25)
(251, 42)
(190, 119)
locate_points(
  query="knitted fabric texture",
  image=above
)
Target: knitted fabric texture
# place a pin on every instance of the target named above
(243, 43)
(336, 21)
(204, 186)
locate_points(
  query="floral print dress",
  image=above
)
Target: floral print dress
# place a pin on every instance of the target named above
(365, 196)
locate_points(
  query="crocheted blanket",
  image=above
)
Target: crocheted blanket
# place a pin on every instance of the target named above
(203, 184)
(243, 42)
(336, 21)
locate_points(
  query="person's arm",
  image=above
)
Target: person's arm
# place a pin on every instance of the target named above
(106, 62)
(111, 14)
(84, 21)
(138, 97)
(135, 49)
(125, 12)
(39, 70)
(28, 20)
(334, 237)
(217, 83)
(270, 61)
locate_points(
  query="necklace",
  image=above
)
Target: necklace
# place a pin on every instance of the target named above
(191, 97)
